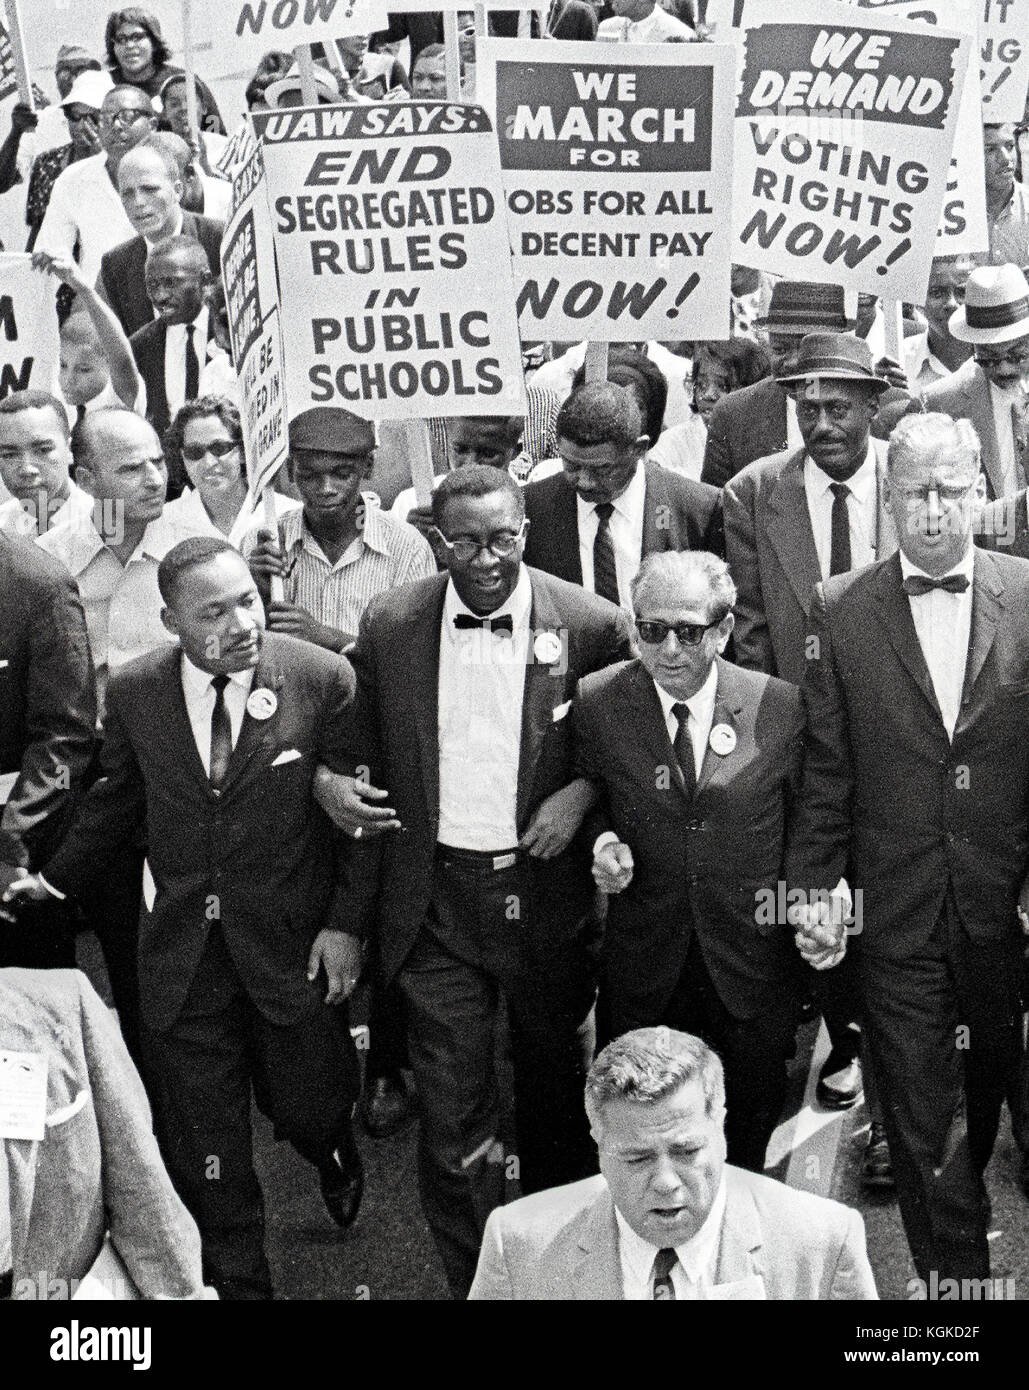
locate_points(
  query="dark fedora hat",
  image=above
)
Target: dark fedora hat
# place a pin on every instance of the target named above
(799, 307)
(834, 357)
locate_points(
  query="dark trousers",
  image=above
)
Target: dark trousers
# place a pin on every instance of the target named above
(304, 1078)
(836, 994)
(754, 1053)
(110, 908)
(387, 1032)
(478, 947)
(944, 1029)
(42, 938)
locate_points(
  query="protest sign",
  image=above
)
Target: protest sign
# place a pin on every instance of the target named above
(1004, 36)
(614, 162)
(845, 124)
(389, 231)
(29, 348)
(249, 28)
(8, 71)
(248, 273)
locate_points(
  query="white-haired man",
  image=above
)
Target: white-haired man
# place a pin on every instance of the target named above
(668, 1218)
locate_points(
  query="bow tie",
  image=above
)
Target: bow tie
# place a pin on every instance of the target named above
(505, 623)
(917, 584)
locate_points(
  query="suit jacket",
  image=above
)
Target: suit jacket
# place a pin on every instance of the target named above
(776, 1243)
(886, 799)
(122, 269)
(47, 699)
(704, 862)
(771, 551)
(147, 345)
(1003, 524)
(394, 731)
(678, 514)
(98, 1168)
(745, 425)
(258, 858)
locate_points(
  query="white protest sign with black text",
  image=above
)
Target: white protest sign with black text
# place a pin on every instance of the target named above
(845, 123)
(1004, 36)
(249, 28)
(616, 163)
(388, 221)
(29, 347)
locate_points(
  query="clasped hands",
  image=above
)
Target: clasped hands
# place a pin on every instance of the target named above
(821, 935)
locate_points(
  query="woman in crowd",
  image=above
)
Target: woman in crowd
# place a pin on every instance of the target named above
(137, 54)
(718, 368)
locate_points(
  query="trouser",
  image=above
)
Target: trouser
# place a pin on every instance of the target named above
(754, 1053)
(835, 994)
(304, 1078)
(387, 1050)
(471, 954)
(944, 1028)
(110, 908)
(42, 938)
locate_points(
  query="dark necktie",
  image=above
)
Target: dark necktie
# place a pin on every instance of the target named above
(664, 1262)
(605, 576)
(221, 733)
(192, 365)
(683, 746)
(839, 545)
(80, 415)
(918, 584)
(505, 623)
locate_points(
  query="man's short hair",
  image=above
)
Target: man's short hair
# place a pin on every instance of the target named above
(512, 426)
(187, 555)
(156, 145)
(190, 247)
(932, 432)
(670, 571)
(626, 366)
(34, 399)
(477, 480)
(651, 1064)
(87, 436)
(600, 412)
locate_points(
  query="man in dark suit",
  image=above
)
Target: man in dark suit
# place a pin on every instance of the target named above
(594, 522)
(479, 886)
(151, 192)
(213, 744)
(47, 733)
(914, 791)
(696, 762)
(761, 419)
(171, 351)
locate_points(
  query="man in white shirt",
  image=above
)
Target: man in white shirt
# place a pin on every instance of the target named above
(934, 354)
(669, 1219)
(642, 21)
(35, 464)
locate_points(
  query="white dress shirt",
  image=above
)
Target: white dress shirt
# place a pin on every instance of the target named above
(481, 691)
(200, 696)
(85, 208)
(175, 231)
(943, 623)
(626, 528)
(702, 712)
(694, 1271)
(794, 438)
(657, 27)
(862, 511)
(175, 358)
(188, 514)
(1004, 401)
(76, 509)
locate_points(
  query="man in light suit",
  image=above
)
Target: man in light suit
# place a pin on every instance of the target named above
(479, 885)
(915, 791)
(696, 761)
(669, 1218)
(244, 963)
(594, 522)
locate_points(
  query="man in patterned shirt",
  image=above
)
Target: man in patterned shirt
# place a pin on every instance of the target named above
(340, 550)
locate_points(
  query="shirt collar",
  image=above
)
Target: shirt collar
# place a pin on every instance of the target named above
(966, 567)
(697, 704)
(196, 683)
(374, 533)
(696, 1255)
(518, 604)
(199, 337)
(176, 231)
(860, 483)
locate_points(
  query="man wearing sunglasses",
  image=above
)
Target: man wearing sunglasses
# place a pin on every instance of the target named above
(478, 886)
(695, 762)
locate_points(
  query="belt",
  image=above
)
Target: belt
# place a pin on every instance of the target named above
(483, 859)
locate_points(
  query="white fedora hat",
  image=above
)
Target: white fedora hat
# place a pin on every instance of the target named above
(996, 307)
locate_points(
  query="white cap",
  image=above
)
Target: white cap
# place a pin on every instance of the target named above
(89, 89)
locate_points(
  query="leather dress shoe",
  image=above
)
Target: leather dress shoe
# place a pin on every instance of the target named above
(845, 1076)
(386, 1108)
(876, 1166)
(342, 1183)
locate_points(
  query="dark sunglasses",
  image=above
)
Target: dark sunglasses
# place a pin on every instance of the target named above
(218, 448)
(686, 634)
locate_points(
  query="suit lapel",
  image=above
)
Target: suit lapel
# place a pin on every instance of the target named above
(895, 611)
(598, 1274)
(256, 734)
(740, 1248)
(655, 498)
(987, 605)
(542, 688)
(564, 524)
(728, 704)
(174, 728)
(422, 661)
(788, 524)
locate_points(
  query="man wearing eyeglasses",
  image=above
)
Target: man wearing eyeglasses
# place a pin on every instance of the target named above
(915, 788)
(695, 762)
(85, 216)
(478, 886)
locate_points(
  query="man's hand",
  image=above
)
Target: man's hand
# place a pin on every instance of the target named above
(347, 803)
(891, 370)
(340, 953)
(421, 519)
(19, 886)
(22, 119)
(612, 867)
(61, 265)
(267, 560)
(556, 820)
(297, 622)
(821, 936)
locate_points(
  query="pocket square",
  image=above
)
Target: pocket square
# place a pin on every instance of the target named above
(4, 663)
(288, 755)
(561, 710)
